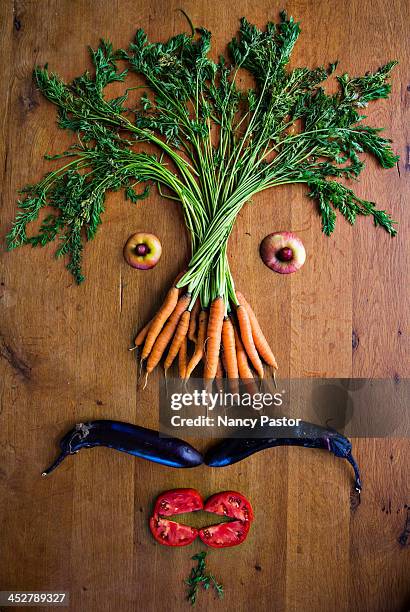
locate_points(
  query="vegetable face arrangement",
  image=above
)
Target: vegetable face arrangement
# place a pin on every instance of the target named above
(218, 146)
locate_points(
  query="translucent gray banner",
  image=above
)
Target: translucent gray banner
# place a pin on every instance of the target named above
(246, 409)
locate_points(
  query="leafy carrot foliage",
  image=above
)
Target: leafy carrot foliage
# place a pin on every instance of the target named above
(218, 144)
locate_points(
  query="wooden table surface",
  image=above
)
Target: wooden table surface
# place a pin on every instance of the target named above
(64, 358)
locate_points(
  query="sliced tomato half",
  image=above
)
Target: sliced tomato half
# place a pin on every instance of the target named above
(178, 501)
(171, 533)
(225, 534)
(231, 504)
(169, 503)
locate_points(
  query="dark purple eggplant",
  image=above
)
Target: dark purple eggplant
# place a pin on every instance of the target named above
(138, 441)
(232, 450)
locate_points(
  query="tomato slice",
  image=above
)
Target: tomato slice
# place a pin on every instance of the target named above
(178, 501)
(171, 533)
(169, 503)
(225, 534)
(230, 503)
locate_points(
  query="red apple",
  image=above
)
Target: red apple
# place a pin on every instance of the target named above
(283, 252)
(142, 251)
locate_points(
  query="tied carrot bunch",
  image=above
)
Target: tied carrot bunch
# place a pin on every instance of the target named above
(213, 147)
(228, 342)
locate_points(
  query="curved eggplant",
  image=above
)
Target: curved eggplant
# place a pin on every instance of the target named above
(128, 438)
(305, 434)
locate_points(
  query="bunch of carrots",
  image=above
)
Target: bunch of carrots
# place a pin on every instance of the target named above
(229, 343)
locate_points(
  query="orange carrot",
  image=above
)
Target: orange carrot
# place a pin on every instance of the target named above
(167, 332)
(182, 354)
(219, 370)
(140, 337)
(222, 362)
(245, 372)
(214, 333)
(261, 344)
(219, 376)
(228, 343)
(242, 359)
(159, 320)
(193, 322)
(199, 348)
(247, 339)
(177, 340)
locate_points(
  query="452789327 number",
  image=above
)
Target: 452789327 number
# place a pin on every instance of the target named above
(33, 598)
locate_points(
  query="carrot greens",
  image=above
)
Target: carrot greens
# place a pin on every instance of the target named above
(218, 145)
(199, 577)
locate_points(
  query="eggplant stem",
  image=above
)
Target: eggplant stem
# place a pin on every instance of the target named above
(353, 463)
(56, 463)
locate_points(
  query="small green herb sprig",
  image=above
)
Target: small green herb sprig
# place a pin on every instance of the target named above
(218, 145)
(200, 578)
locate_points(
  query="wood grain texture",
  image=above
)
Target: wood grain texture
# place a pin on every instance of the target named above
(63, 352)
